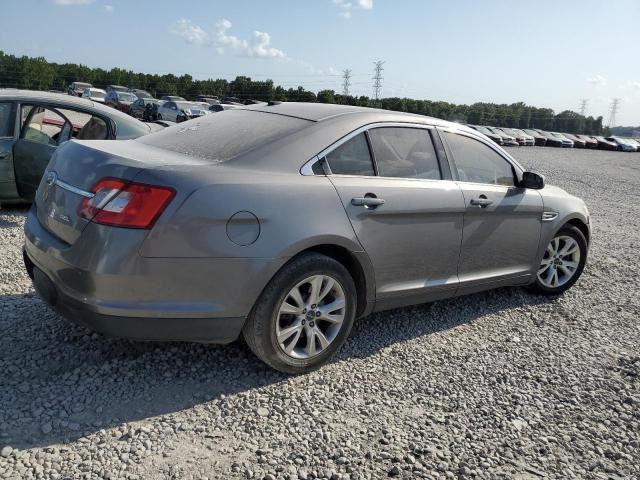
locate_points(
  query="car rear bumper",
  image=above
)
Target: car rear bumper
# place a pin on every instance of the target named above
(118, 292)
(210, 330)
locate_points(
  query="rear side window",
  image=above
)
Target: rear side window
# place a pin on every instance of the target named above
(86, 126)
(476, 162)
(226, 135)
(7, 119)
(404, 153)
(351, 158)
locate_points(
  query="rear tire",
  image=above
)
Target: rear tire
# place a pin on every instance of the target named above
(563, 262)
(294, 330)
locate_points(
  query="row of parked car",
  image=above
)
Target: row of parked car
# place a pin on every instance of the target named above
(141, 104)
(530, 137)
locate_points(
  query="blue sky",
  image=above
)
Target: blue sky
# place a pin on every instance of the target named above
(545, 53)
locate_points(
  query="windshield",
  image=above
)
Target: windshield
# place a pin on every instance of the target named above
(142, 94)
(226, 135)
(126, 97)
(79, 85)
(96, 94)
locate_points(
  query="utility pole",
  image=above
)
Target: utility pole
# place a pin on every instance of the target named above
(377, 79)
(583, 106)
(615, 103)
(346, 81)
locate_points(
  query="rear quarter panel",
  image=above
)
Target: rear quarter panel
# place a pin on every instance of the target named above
(294, 212)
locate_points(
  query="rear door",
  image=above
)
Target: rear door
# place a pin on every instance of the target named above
(502, 221)
(405, 212)
(7, 139)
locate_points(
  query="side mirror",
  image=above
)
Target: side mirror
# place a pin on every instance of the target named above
(532, 180)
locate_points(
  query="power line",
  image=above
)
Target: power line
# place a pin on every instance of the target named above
(613, 109)
(377, 78)
(346, 81)
(583, 106)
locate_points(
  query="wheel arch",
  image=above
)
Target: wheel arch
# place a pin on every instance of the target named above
(580, 225)
(353, 262)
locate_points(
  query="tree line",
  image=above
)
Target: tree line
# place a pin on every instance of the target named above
(36, 73)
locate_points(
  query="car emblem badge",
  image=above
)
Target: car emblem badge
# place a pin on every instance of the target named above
(51, 178)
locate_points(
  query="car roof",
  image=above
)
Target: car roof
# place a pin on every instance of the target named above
(32, 95)
(62, 101)
(320, 112)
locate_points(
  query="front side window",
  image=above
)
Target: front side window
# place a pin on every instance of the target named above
(478, 163)
(404, 153)
(351, 158)
(44, 126)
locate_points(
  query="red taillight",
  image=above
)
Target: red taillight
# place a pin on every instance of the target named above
(125, 204)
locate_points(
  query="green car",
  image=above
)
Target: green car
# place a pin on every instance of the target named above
(33, 125)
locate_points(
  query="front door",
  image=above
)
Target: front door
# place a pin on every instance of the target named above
(502, 221)
(43, 129)
(406, 217)
(8, 189)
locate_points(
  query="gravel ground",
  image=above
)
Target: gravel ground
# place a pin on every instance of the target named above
(499, 384)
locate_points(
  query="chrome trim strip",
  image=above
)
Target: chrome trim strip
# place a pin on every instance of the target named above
(307, 168)
(549, 216)
(72, 189)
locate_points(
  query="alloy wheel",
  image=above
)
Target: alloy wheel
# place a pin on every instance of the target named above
(310, 316)
(560, 261)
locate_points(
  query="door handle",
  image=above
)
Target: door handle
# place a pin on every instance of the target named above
(481, 202)
(3, 155)
(368, 201)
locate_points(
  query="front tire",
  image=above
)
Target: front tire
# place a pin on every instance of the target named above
(304, 315)
(562, 263)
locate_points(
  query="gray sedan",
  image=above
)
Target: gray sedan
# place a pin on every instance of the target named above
(285, 222)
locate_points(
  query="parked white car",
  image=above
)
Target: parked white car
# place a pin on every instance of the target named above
(95, 94)
(181, 111)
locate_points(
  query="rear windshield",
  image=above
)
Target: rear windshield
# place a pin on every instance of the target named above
(225, 135)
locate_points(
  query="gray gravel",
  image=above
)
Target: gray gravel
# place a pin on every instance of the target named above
(499, 384)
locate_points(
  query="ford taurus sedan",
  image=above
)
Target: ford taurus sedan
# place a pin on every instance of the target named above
(283, 223)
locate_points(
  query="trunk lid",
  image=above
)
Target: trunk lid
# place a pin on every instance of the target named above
(77, 166)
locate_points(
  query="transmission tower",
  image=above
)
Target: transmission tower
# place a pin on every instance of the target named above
(377, 79)
(583, 106)
(346, 81)
(615, 103)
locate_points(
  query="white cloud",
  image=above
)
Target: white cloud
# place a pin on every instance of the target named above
(108, 8)
(260, 47)
(190, 33)
(347, 7)
(633, 85)
(597, 80)
(72, 2)
(223, 40)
